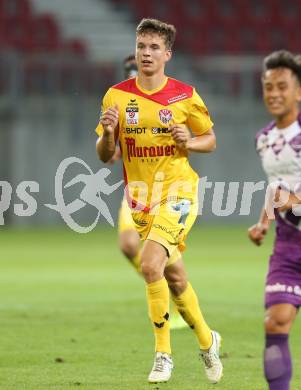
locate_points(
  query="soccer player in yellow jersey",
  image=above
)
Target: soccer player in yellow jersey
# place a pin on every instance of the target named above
(129, 240)
(150, 117)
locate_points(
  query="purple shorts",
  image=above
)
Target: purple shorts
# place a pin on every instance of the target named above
(283, 281)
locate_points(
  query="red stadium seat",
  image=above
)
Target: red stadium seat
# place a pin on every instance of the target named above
(194, 43)
(75, 46)
(288, 16)
(15, 32)
(229, 13)
(293, 40)
(45, 34)
(15, 8)
(201, 12)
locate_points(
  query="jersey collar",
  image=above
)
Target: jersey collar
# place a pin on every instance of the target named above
(151, 92)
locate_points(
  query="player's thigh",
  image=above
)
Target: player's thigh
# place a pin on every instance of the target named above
(279, 318)
(125, 220)
(129, 242)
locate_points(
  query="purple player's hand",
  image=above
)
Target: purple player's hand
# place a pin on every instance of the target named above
(257, 233)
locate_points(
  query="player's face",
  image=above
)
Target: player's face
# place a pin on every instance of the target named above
(281, 91)
(151, 53)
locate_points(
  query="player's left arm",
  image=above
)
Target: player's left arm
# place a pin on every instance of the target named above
(201, 126)
(204, 143)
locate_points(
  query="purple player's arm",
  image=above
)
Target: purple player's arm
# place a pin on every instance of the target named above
(258, 231)
(204, 143)
(294, 199)
(106, 145)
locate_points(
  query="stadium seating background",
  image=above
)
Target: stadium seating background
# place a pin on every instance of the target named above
(51, 85)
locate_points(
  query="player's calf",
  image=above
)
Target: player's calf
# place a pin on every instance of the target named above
(277, 362)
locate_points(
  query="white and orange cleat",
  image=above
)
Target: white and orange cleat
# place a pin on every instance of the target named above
(211, 359)
(162, 368)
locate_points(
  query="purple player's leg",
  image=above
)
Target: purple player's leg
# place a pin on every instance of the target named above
(277, 359)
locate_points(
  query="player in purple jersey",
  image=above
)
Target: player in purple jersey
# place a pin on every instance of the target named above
(279, 147)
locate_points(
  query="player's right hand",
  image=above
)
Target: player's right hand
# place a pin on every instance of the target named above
(257, 233)
(109, 119)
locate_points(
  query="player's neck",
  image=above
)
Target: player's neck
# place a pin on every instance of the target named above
(152, 82)
(284, 121)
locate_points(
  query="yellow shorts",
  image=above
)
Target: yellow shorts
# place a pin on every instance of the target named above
(125, 220)
(168, 224)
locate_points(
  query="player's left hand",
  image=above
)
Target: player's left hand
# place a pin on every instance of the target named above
(258, 232)
(181, 134)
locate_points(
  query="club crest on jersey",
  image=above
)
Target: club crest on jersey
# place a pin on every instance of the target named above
(132, 115)
(165, 116)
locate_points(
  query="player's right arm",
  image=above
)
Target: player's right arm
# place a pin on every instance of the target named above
(258, 231)
(106, 144)
(107, 129)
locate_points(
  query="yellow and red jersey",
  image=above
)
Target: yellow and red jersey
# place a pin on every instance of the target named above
(149, 152)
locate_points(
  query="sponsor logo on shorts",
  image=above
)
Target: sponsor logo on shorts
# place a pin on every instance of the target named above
(172, 234)
(139, 221)
(279, 287)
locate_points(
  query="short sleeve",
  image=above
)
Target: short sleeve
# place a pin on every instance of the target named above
(199, 120)
(106, 103)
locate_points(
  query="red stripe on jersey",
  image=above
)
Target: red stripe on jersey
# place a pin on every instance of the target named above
(174, 91)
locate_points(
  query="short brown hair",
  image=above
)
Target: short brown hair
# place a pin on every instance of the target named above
(166, 31)
(283, 59)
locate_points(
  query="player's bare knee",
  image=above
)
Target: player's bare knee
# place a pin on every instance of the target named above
(276, 323)
(129, 249)
(129, 244)
(150, 271)
(177, 287)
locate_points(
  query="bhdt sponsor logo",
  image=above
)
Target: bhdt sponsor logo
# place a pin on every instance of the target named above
(134, 130)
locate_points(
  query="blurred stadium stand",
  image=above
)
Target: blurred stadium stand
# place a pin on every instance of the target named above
(58, 57)
(226, 26)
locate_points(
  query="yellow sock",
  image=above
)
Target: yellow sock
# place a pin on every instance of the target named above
(136, 262)
(174, 310)
(188, 306)
(158, 307)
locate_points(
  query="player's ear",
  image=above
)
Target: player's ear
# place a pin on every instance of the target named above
(299, 94)
(168, 55)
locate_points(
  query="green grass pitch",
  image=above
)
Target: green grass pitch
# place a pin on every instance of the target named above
(73, 312)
